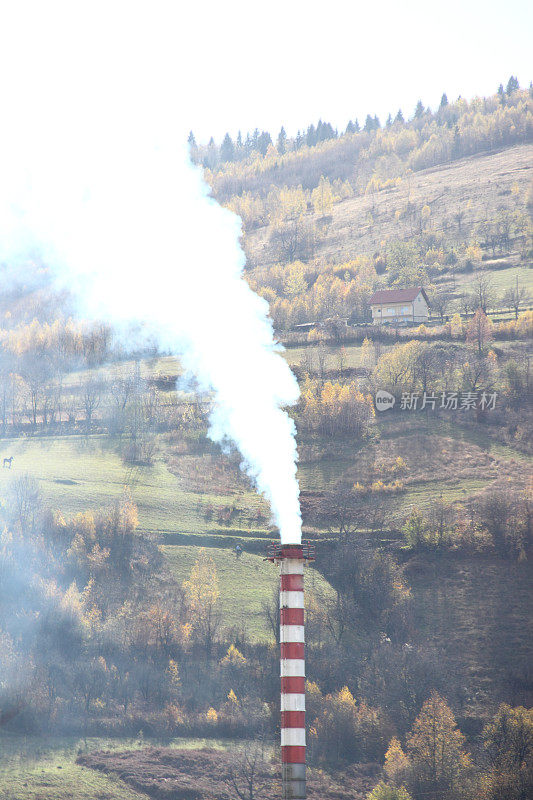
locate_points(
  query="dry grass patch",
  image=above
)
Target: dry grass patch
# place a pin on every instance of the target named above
(209, 473)
(168, 774)
(359, 224)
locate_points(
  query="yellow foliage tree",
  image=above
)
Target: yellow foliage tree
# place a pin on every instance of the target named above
(233, 658)
(397, 764)
(436, 749)
(322, 197)
(202, 593)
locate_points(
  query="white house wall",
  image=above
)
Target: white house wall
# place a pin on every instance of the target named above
(417, 311)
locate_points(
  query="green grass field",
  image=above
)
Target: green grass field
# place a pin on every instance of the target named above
(301, 356)
(502, 279)
(44, 768)
(85, 472)
(77, 473)
(245, 584)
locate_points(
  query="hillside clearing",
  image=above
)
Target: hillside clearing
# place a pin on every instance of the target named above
(44, 768)
(359, 224)
(78, 473)
(246, 584)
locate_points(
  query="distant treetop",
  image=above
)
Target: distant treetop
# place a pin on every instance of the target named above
(261, 143)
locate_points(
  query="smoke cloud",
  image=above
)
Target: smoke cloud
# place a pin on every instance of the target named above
(96, 181)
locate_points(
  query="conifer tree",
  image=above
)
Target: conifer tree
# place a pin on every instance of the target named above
(282, 141)
(248, 144)
(512, 85)
(263, 141)
(227, 149)
(311, 137)
(436, 749)
(212, 157)
(193, 147)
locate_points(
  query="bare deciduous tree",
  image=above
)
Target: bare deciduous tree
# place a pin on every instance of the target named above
(91, 396)
(482, 292)
(249, 774)
(25, 501)
(441, 302)
(515, 297)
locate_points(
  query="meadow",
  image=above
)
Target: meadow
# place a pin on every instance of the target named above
(246, 585)
(78, 473)
(361, 223)
(43, 767)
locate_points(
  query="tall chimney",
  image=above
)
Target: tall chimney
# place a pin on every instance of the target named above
(291, 559)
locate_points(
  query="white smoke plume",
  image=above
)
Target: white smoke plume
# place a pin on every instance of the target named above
(95, 179)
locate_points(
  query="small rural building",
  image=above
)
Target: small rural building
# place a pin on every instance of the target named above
(391, 306)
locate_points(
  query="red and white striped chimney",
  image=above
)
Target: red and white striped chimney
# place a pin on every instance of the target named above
(291, 559)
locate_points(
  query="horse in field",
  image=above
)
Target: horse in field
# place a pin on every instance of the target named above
(8, 461)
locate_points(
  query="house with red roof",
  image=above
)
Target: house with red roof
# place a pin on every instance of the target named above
(393, 306)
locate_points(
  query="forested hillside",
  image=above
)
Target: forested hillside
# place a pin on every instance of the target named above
(427, 200)
(128, 618)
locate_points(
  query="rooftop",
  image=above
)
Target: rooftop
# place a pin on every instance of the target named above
(397, 295)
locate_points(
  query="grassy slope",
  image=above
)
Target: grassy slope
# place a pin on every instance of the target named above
(473, 185)
(63, 781)
(503, 279)
(79, 472)
(44, 768)
(442, 458)
(245, 584)
(302, 356)
(483, 615)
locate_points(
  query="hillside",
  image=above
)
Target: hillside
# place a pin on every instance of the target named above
(361, 224)
(133, 633)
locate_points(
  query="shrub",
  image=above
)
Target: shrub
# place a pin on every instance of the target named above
(383, 791)
(334, 409)
(347, 730)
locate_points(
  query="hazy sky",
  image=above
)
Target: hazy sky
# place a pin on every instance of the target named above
(239, 64)
(293, 62)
